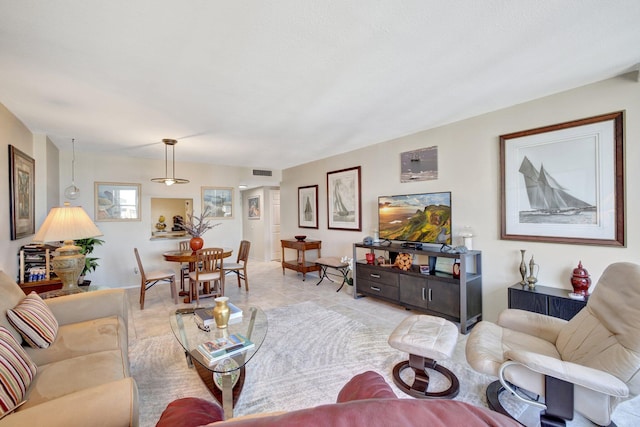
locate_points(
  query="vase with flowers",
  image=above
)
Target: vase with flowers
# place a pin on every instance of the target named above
(196, 226)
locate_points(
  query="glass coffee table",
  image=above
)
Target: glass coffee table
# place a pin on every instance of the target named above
(225, 379)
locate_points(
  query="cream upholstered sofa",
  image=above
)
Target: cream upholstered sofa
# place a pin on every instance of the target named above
(81, 377)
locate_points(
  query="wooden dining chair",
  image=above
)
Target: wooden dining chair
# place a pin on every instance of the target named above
(183, 245)
(240, 266)
(147, 280)
(209, 262)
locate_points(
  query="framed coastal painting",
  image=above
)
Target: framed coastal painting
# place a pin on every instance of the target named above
(22, 189)
(253, 205)
(344, 206)
(419, 165)
(116, 201)
(308, 206)
(565, 183)
(218, 202)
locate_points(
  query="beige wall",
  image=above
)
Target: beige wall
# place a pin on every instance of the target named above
(468, 158)
(259, 231)
(13, 132)
(117, 261)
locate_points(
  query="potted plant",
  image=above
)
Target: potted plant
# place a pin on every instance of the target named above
(90, 263)
(196, 226)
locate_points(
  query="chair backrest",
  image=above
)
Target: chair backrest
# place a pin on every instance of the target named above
(605, 335)
(140, 267)
(184, 245)
(209, 260)
(243, 252)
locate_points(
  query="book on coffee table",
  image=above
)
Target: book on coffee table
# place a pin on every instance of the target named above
(220, 348)
(204, 316)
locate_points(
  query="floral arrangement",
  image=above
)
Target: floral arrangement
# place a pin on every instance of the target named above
(197, 226)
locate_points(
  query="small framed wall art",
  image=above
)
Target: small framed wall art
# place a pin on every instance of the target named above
(22, 190)
(344, 205)
(308, 206)
(115, 201)
(419, 165)
(253, 204)
(218, 202)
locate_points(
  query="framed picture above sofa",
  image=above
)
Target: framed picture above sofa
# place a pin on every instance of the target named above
(22, 190)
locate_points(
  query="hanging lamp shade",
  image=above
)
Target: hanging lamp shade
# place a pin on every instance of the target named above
(170, 180)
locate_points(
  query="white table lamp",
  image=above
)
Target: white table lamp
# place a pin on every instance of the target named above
(67, 223)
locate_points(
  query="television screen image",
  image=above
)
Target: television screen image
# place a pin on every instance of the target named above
(424, 218)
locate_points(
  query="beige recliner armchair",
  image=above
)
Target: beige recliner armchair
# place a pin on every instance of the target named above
(588, 364)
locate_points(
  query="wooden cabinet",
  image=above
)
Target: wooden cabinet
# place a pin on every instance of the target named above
(300, 263)
(377, 282)
(41, 286)
(458, 299)
(545, 300)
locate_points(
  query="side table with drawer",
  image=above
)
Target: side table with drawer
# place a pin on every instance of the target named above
(545, 300)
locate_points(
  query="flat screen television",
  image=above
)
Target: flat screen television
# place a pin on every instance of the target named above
(420, 218)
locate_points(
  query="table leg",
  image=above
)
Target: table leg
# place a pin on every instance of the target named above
(227, 396)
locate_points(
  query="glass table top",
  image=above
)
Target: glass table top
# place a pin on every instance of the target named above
(253, 325)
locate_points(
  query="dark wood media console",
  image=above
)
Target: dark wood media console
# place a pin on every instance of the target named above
(438, 294)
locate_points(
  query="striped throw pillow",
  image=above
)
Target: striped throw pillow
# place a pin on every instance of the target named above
(16, 372)
(34, 320)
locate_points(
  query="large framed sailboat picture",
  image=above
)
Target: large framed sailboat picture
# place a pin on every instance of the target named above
(344, 206)
(565, 183)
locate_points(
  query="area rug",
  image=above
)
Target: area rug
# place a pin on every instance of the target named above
(309, 353)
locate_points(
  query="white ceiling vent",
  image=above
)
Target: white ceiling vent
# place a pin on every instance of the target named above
(258, 172)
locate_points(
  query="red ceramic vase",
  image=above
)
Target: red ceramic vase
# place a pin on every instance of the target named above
(196, 243)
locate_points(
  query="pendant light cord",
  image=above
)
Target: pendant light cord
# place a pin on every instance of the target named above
(73, 162)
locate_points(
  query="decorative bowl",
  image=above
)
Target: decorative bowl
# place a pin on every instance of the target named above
(300, 238)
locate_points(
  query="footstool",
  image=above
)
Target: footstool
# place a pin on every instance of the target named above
(333, 262)
(425, 338)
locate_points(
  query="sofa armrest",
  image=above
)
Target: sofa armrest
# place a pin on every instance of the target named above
(584, 376)
(90, 305)
(367, 385)
(112, 404)
(527, 322)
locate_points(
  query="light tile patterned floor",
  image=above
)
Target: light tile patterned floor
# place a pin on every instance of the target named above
(270, 288)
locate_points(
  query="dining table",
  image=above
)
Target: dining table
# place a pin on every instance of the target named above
(189, 256)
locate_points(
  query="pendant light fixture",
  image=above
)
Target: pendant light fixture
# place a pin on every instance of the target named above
(170, 180)
(72, 192)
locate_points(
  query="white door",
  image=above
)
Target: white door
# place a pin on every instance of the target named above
(276, 248)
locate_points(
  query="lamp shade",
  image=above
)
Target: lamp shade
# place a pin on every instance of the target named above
(66, 223)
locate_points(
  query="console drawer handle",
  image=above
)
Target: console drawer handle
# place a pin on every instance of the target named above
(375, 289)
(430, 295)
(424, 296)
(375, 276)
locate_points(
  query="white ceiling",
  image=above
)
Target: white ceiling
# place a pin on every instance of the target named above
(274, 84)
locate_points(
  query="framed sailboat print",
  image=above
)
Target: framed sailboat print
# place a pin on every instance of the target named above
(565, 183)
(344, 206)
(308, 206)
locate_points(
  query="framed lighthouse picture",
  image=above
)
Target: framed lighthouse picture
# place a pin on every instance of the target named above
(344, 206)
(565, 183)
